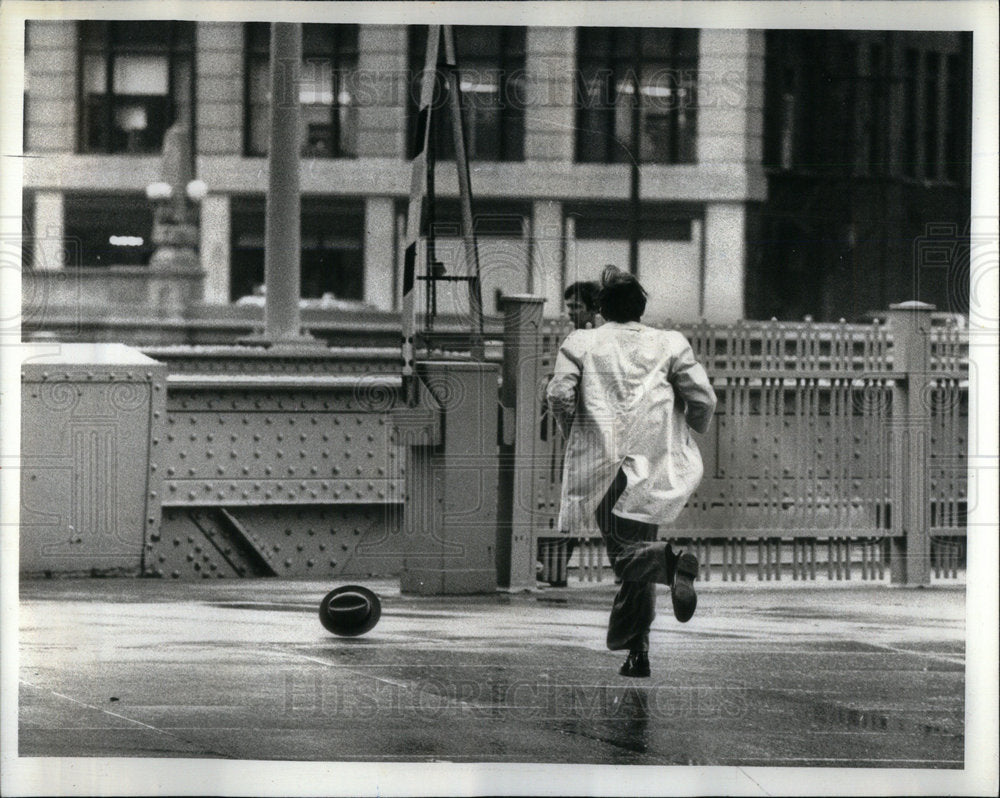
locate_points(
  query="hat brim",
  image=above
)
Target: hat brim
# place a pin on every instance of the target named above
(350, 622)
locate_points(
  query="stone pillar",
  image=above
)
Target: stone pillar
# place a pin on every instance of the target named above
(731, 98)
(382, 91)
(523, 375)
(910, 443)
(379, 248)
(550, 115)
(50, 80)
(215, 248)
(547, 254)
(219, 88)
(50, 251)
(725, 262)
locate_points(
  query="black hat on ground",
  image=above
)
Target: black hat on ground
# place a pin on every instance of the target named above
(350, 610)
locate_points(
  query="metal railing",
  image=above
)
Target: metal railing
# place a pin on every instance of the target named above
(810, 462)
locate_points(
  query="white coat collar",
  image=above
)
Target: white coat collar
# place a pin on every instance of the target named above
(625, 325)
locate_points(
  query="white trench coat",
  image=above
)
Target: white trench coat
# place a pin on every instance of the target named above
(630, 394)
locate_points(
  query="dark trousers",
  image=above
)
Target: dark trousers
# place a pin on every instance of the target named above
(640, 561)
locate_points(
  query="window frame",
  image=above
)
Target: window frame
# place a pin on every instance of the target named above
(344, 39)
(625, 57)
(510, 62)
(111, 47)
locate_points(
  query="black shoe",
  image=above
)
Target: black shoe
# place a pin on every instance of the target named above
(682, 590)
(636, 665)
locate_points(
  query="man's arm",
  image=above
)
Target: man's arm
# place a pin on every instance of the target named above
(561, 392)
(692, 384)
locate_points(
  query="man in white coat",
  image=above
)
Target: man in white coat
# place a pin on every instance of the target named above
(630, 395)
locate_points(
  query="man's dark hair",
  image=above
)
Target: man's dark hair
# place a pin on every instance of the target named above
(585, 291)
(622, 298)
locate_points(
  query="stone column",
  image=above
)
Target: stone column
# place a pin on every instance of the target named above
(50, 252)
(214, 248)
(550, 65)
(731, 98)
(50, 78)
(219, 88)
(725, 262)
(379, 247)
(382, 88)
(547, 254)
(910, 437)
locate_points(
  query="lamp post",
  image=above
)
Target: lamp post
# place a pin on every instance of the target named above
(175, 202)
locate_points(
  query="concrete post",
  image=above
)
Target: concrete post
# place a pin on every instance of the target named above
(50, 249)
(547, 253)
(910, 431)
(214, 248)
(520, 400)
(725, 257)
(380, 228)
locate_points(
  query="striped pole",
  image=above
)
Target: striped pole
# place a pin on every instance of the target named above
(414, 256)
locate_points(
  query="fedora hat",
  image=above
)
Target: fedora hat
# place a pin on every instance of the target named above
(350, 610)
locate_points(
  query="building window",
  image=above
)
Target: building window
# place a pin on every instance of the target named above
(109, 229)
(874, 120)
(491, 77)
(135, 81)
(630, 76)
(332, 234)
(957, 131)
(327, 93)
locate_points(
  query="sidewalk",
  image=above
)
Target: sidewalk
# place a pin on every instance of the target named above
(763, 675)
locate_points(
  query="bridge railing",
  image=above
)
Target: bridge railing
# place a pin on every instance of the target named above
(837, 451)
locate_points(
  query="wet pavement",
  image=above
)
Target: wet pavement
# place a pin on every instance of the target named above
(768, 676)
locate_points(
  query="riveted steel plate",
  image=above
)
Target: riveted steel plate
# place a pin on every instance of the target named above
(286, 540)
(90, 464)
(273, 445)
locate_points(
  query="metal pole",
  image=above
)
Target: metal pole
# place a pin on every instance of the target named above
(281, 232)
(636, 143)
(465, 194)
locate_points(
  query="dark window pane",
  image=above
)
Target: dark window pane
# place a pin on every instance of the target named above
(911, 111)
(331, 258)
(619, 68)
(931, 115)
(490, 64)
(109, 230)
(136, 80)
